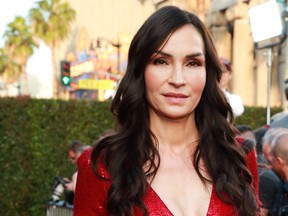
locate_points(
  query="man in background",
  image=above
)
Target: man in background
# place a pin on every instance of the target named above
(74, 151)
(279, 163)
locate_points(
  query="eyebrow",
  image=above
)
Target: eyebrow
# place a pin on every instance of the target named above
(188, 56)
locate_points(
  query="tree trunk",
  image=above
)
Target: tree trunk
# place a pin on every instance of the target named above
(25, 80)
(54, 75)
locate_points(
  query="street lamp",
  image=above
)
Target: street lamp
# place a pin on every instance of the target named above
(267, 32)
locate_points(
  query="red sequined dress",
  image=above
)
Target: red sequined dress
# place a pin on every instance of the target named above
(91, 192)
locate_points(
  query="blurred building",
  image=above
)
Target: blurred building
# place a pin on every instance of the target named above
(98, 45)
(101, 34)
(230, 27)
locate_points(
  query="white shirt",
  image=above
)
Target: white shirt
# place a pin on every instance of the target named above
(235, 102)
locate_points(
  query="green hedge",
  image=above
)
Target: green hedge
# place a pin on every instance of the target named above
(255, 116)
(34, 135)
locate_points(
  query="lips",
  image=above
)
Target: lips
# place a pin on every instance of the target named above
(175, 95)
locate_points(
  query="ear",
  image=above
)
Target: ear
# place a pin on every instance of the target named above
(280, 161)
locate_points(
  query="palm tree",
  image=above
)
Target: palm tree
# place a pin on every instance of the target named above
(19, 46)
(51, 23)
(9, 70)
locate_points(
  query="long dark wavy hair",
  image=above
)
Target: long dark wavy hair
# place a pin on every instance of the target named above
(134, 146)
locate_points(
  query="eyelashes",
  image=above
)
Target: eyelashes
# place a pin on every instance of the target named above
(159, 61)
(163, 61)
(194, 63)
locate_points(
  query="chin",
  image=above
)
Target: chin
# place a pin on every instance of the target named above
(176, 116)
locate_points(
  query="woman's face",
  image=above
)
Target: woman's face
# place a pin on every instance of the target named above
(176, 76)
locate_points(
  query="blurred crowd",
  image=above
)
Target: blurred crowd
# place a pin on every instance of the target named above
(271, 147)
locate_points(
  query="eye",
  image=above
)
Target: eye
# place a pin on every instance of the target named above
(194, 63)
(159, 61)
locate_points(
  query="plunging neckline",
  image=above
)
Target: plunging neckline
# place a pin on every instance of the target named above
(166, 207)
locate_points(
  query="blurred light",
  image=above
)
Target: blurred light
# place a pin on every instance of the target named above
(65, 73)
(265, 21)
(66, 80)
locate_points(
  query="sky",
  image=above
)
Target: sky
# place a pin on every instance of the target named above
(9, 10)
(39, 66)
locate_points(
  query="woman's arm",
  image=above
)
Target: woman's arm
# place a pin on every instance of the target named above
(252, 166)
(91, 192)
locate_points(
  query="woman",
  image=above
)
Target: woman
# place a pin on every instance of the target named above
(173, 151)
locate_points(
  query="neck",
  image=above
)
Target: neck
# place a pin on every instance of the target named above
(175, 133)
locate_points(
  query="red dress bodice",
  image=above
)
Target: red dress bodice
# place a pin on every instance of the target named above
(91, 192)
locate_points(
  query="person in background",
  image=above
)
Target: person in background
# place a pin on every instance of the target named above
(279, 163)
(72, 184)
(266, 142)
(74, 151)
(72, 148)
(259, 134)
(234, 100)
(246, 132)
(174, 150)
(275, 178)
(268, 180)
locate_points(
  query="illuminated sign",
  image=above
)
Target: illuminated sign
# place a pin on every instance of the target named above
(79, 69)
(95, 84)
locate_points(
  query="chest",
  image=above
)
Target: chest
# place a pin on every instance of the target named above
(181, 190)
(156, 206)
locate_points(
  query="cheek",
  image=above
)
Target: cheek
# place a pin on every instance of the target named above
(198, 82)
(149, 82)
(152, 79)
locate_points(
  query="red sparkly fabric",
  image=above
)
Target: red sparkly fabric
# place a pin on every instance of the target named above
(91, 192)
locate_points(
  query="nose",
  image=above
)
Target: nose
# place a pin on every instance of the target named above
(177, 77)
